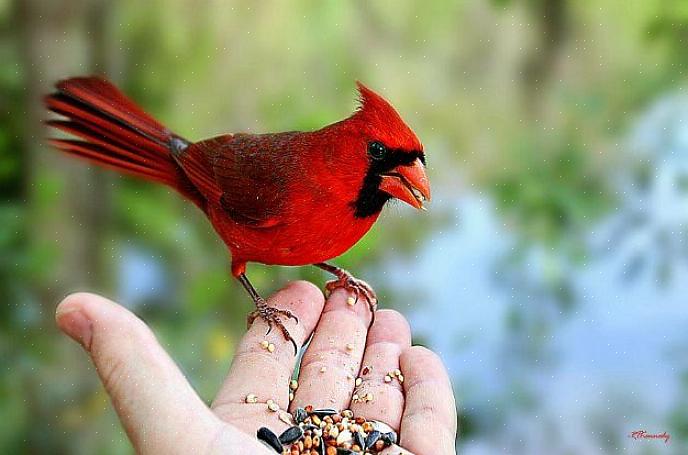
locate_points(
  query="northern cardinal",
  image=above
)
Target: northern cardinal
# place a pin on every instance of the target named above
(292, 198)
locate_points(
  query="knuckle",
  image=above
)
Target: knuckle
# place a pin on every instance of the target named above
(113, 374)
(421, 353)
(307, 289)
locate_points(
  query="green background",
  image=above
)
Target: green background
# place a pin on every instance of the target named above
(530, 104)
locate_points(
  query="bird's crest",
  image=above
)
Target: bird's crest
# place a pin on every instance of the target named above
(383, 122)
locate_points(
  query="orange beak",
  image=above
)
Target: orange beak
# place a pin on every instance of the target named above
(408, 183)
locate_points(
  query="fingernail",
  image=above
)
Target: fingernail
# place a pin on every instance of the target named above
(77, 326)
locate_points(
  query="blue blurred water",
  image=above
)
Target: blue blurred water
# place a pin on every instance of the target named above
(534, 375)
(566, 379)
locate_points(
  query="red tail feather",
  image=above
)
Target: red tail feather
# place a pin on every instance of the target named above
(116, 133)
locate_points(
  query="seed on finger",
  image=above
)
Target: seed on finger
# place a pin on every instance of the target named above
(293, 384)
(285, 417)
(251, 398)
(388, 379)
(350, 301)
(350, 347)
(323, 369)
(272, 406)
(264, 344)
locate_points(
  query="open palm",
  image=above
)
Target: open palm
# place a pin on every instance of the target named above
(163, 414)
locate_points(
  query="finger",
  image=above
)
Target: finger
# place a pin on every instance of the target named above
(151, 396)
(257, 371)
(389, 336)
(428, 424)
(395, 450)
(333, 358)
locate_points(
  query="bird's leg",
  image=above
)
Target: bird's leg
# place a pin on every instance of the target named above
(347, 281)
(267, 313)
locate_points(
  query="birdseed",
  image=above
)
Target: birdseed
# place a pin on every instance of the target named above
(351, 301)
(329, 432)
(251, 398)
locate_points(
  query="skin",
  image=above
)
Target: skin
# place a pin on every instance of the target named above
(161, 412)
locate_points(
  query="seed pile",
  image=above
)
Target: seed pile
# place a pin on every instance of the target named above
(328, 432)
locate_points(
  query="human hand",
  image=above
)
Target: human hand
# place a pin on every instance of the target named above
(161, 413)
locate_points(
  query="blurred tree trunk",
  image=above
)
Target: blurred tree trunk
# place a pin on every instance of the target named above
(551, 22)
(73, 221)
(67, 201)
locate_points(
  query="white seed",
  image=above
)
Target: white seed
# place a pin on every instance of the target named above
(285, 417)
(355, 397)
(293, 384)
(396, 372)
(387, 378)
(350, 301)
(350, 347)
(400, 378)
(359, 381)
(323, 369)
(334, 432)
(291, 396)
(274, 407)
(251, 398)
(344, 436)
(264, 344)
(369, 397)
(271, 347)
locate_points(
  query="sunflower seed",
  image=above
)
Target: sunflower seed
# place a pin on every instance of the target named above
(324, 412)
(268, 437)
(290, 435)
(371, 439)
(300, 415)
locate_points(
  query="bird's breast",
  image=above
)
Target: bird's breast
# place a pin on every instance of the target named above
(312, 231)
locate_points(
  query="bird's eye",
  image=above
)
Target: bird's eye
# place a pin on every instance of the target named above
(377, 150)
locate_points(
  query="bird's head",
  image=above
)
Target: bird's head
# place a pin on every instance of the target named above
(394, 158)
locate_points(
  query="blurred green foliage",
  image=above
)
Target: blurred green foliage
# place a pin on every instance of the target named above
(521, 105)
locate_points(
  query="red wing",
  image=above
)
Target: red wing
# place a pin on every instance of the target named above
(245, 174)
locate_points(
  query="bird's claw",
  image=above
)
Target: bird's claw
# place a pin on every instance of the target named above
(358, 288)
(272, 316)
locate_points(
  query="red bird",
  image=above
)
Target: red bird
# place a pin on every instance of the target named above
(291, 198)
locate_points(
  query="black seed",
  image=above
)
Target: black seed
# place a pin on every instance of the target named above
(372, 438)
(341, 451)
(290, 435)
(324, 412)
(267, 436)
(389, 438)
(359, 439)
(310, 426)
(300, 415)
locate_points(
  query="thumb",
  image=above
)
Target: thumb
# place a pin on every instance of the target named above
(158, 408)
